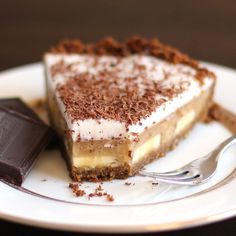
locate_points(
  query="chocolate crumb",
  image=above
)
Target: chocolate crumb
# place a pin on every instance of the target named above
(130, 153)
(79, 193)
(72, 185)
(99, 188)
(76, 189)
(224, 116)
(110, 198)
(91, 195)
(98, 192)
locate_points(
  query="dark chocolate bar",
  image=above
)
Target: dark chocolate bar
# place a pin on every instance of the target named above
(21, 141)
(19, 106)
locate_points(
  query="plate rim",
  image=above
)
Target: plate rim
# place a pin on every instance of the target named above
(128, 229)
(152, 228)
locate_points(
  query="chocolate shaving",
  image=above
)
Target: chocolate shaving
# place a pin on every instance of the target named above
(86, 96)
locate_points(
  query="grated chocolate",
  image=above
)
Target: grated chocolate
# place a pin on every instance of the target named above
(88, 96)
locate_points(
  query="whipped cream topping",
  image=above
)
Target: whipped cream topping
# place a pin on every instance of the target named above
(61, 68)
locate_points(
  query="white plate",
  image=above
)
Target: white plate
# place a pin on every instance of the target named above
(139, 207)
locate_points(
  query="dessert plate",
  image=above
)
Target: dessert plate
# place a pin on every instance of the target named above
(140, 205)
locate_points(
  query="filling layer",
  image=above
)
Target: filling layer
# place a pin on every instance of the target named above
(93, 154)
(104, 153)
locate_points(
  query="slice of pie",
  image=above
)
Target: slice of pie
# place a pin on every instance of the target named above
(118, 106)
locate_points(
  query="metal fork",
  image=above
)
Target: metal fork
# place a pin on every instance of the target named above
(196, 172)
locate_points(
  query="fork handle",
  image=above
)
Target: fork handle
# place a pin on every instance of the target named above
(225, 145)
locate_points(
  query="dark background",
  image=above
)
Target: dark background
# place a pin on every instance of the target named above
(204, 29)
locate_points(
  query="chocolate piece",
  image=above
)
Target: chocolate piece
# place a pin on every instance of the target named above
(19, 106)
(21, 140)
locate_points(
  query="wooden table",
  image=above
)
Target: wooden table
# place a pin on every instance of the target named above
(204, 29)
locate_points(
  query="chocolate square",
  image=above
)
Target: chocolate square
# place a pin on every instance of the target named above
(22, 139)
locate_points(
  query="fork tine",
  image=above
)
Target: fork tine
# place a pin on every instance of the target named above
(188, 181)
(182, 180)
(188, 174)
(172, 174)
